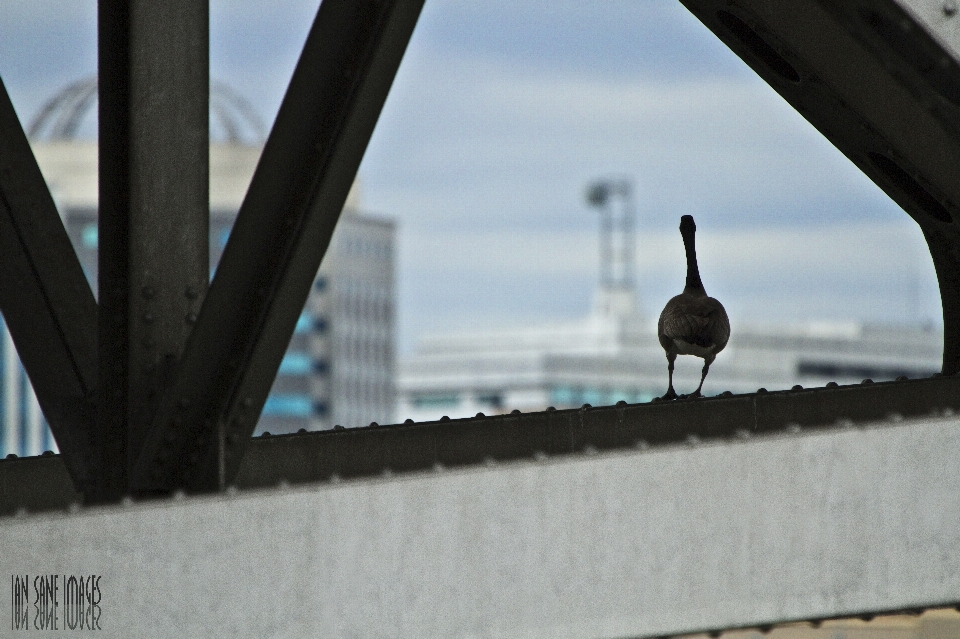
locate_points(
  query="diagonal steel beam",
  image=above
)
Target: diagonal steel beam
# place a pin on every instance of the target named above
(341, 81)
(46, 300)
(883, 85)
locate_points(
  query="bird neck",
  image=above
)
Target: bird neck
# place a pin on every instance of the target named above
(694, 284)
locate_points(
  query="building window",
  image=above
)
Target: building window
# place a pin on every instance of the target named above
(288, 405)
(90, 236)
(304, 324)
(296, 364)
(436, 401)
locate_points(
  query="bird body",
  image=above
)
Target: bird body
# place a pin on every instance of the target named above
(692, 323)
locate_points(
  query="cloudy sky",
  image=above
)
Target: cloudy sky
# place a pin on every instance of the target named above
(503, 112)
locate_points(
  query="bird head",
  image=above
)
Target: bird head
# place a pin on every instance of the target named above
(687, 225)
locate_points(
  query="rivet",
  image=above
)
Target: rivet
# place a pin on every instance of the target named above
(551, 408)
(179, 495)
(796, 387)
(232, 490)
(948, 412)
(445, 418)
(515, 412)
(74, 507)
(283, 484)
(11, 455)
(622, 403)
(540, 455)
(902, 378)
(833, 385)
(489, 462)
(726, 394)
(147, 292)
(867, 381)
(408, 421)
(479, 415)
(374, 424)
(302, 430)
(21, 512)
(585, 406)
(949, 8)
(386, 473)
(743, 433)
(191, 318)
(761, 391)
(267, 433)
(127, 501)
(641, 444)
(793, 429)
(47, 453)
(895, 417)
(692, 440)
(590, 449)
(438, 467)
(334, 478)
(337, 427)
(247, 402)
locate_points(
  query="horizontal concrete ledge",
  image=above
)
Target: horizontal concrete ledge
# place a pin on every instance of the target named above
(675, 539)
(41, 483)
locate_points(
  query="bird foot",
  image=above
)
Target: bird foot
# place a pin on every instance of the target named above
(670, 394)
(693, 395)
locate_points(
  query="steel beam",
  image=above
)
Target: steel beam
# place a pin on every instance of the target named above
(46, 301)
(881, 84)
(630, 543)
(373, 451)
(283, 228)
(154, 217)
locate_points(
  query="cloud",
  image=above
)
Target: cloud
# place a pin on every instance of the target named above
(468, 140)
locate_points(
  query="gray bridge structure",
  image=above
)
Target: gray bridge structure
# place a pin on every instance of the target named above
(648, 520)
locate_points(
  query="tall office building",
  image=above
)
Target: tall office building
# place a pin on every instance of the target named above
(339, 365)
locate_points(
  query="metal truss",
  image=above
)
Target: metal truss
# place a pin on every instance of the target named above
(880, 79)
(160, 387)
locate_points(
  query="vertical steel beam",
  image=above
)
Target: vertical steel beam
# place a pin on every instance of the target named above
(281, 234)
(154, 215)
(46, 300)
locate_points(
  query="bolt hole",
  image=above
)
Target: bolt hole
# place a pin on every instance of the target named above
(905, 182)
(758, 46)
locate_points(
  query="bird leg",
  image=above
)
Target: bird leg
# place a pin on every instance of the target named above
(671, 394)
(703, 376)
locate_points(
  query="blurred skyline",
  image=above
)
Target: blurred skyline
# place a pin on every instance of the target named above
(503, 112)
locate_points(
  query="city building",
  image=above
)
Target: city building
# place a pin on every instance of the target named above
(339, 365)
(614, 355)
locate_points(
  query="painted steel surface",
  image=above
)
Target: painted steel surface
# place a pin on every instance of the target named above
(629, 543)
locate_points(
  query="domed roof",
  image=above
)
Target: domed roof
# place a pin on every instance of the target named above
(233, 118)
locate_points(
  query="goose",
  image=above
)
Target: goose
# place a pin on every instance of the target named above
(692, 323)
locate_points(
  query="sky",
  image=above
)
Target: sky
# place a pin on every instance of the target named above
(503, 112)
